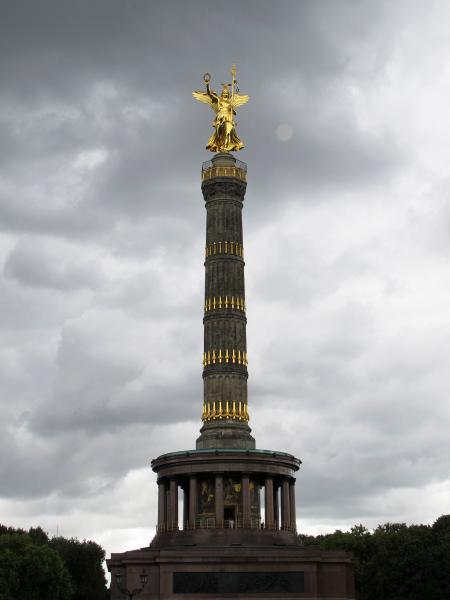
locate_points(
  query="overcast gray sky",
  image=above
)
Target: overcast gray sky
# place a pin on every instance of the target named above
(102, 224)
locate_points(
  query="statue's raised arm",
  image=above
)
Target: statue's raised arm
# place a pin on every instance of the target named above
(209, 97)
(224, 138)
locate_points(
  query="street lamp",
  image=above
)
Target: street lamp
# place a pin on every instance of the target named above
(119, 579)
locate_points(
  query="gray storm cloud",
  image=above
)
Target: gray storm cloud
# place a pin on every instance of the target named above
(101, 243)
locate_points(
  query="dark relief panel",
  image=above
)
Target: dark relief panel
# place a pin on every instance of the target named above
(232, 493)
(238, 583)
(255, 499)
(206, 497)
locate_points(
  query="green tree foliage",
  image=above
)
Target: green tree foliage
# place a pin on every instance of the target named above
(31, 572)
(84, 561)
(396, 561)
(38, 535)
(34, 567)
(440, 560)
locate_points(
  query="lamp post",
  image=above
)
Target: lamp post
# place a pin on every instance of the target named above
(119, 578)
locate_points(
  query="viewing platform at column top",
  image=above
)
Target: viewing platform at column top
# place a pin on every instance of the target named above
(224, 165)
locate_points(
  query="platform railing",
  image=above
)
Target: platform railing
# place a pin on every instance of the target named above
(210, 523)
(238, 171)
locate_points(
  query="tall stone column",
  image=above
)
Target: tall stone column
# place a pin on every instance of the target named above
(293, 518)
(225, 412)
(173, 502)
(219, 499)
(162, 512)
(285, 509)
(245, 500)
(192, 501)
(268, 503)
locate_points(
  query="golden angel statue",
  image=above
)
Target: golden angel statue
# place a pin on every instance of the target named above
(224, 138)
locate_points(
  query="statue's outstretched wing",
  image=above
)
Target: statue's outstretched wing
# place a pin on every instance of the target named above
(206, 99)
(239, 100)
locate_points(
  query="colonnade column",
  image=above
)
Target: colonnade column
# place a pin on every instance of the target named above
(173, 503)
(276, 506)
(192, 501)
(185, 506)
(292, 504)
(162, 516)
(268, 503)
(219, 500)
(246, 500)
(257, 499)
(285, 510)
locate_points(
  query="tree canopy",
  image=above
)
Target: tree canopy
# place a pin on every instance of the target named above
(396, 561)
(31, 572)
(34, 567)
(84, 561)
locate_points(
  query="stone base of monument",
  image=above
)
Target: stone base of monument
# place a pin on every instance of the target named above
(236, 571)
(220, 547)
